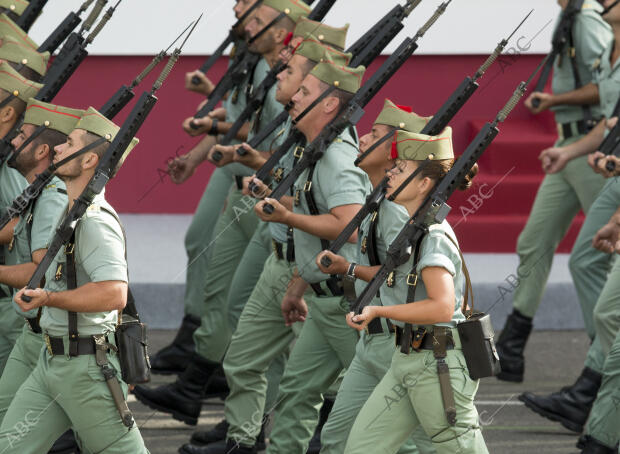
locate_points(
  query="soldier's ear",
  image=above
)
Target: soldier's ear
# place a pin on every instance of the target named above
(7, 114)
(42, 152)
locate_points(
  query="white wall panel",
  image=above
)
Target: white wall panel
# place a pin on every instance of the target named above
(143, 27)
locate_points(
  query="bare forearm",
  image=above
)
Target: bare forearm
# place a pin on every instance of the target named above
(242, 134)
(91, 297)
(366, 273)
(424, 312)
(199, 153)
(17, 276)
(325, 226)
(588, 144)
(586, 95)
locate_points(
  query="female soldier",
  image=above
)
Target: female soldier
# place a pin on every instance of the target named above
(410, 394)
(373, 353)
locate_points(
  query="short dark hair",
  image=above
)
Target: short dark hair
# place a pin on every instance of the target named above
(286, 23)
(343, 96)
(26, 71)
(50, 137)
(101, 150)
(308, 66)
(16, 103)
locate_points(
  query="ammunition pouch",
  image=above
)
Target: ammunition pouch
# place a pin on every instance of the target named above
(132, 344)
(478, 345)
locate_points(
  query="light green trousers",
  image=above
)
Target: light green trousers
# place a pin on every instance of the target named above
(260, 339)
(61, 393)
(589, 267)
(325, 347)
(198, 239)
(604, 421)
(235, 227)
(409, 397)
(373, 356)
(21, 363)
(10, 328)
(559, 199)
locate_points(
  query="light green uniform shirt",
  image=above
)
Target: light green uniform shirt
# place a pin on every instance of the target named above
(42, 221)
(608, 80)
(336, 182)
(390, 213)
(12, 183)
(591, 35)
(437, 251)
(279, 231)
(235, 103)
(99, 256)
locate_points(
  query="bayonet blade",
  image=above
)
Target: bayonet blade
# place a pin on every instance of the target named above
(519, 26)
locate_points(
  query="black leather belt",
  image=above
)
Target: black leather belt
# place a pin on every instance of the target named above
(376, 327)
(581, 126)
(427, 339)
(330, 287)
(56, 346)
(33, 324)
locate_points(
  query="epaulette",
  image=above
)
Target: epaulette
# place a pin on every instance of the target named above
(53, 186)
(94, 207)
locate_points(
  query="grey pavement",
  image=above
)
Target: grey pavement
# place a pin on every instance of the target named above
(553, 359)
(157, 263)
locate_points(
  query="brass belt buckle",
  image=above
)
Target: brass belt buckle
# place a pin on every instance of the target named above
(48, 344)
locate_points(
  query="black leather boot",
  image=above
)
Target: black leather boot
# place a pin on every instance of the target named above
(218, 433)
(183, 398)
(589, 445)
(511, 344)
(315, 442)
(66, 444)
(220, 447)
(175, 358)
(217, 386)
(571, 405)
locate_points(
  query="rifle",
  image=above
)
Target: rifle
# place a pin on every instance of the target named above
(110, 109)
(351, 113)
(364, 51)
(30, 14)
(236, 74)
(561, 38)
(438, 123)
(67, 26)
(105, 169)
(232, 35)
(434, 208)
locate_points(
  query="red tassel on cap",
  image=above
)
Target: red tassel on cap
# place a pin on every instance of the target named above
(288, 38)
(405, 108)
(394, 154)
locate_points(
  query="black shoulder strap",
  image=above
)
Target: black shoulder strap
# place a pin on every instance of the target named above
(412, 285)
(311, 201)
(371, 244)
(572, 56)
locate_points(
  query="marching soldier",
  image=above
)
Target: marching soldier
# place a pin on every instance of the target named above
(325, 347)
(175, 357)
(15, 91)
(85, 288)
(589, 267)
(376, 345)
(281, 262)
(562, 195)
(432, 300)
(28, 243)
